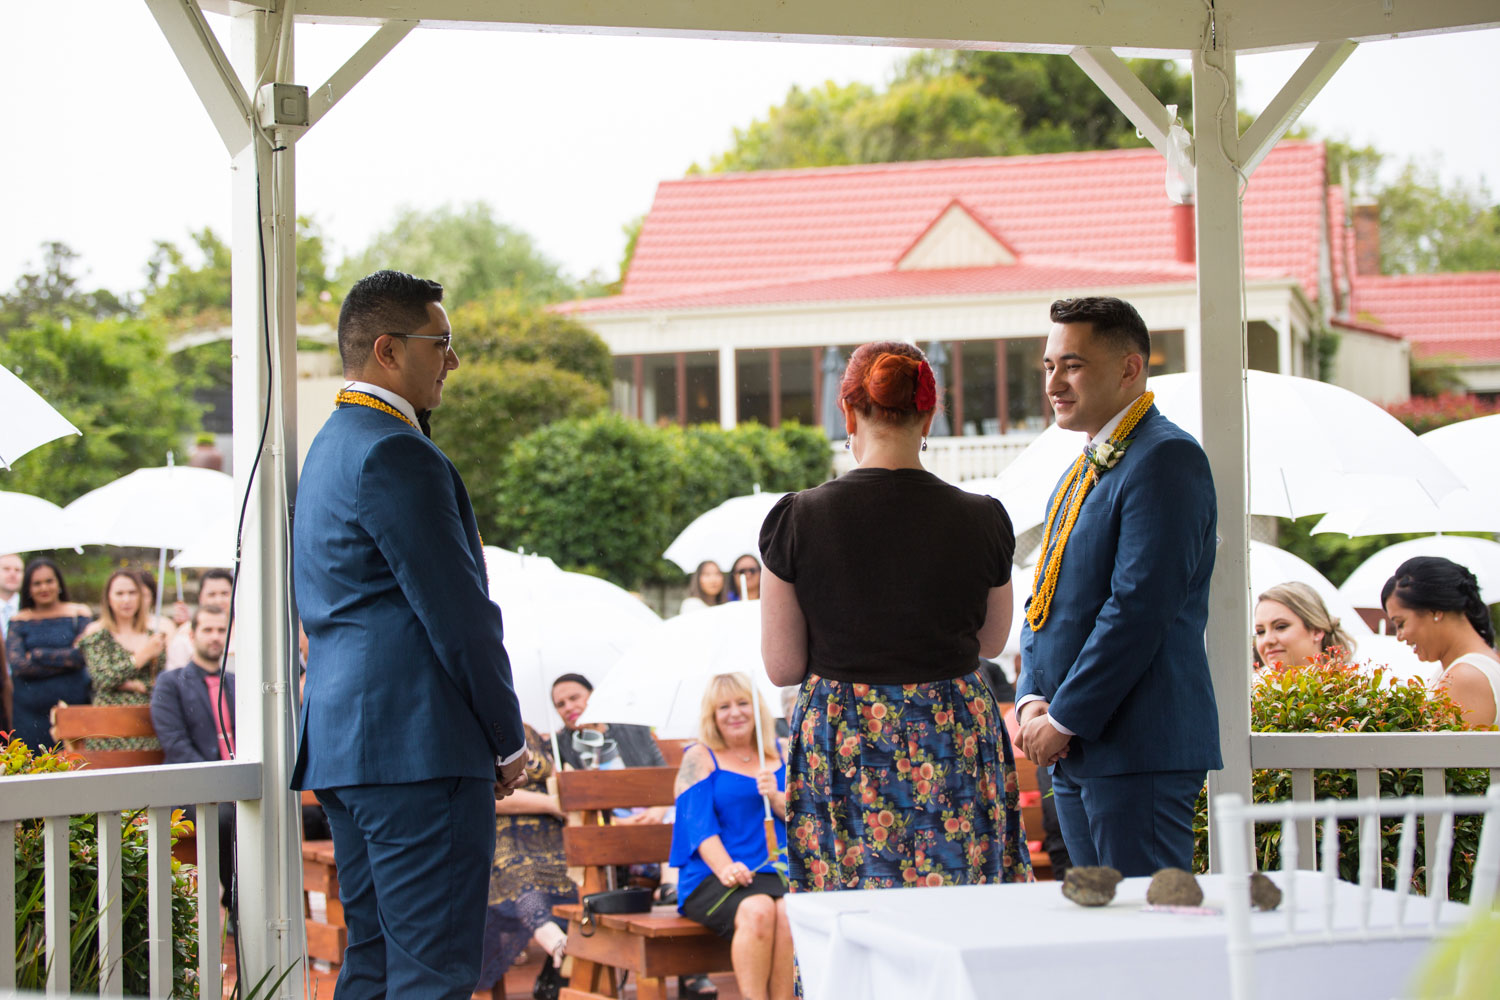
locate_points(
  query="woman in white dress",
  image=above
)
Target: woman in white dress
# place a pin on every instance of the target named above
(1435, 606)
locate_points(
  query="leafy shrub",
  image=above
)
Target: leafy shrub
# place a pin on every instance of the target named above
(609, 494)
(1425, 413)
(503, 326)
(1331, 696)
(83, 895)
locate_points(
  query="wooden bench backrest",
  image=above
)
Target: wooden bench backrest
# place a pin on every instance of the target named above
(671, 750)
(581, 791)
(593, 845)
(75, 723)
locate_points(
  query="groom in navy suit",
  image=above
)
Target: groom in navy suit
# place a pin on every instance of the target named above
(409, 723)
(1114, 689)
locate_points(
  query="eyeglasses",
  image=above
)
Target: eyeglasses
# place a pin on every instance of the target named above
(445, 340)
(747, 571)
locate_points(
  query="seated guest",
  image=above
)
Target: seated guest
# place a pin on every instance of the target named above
(215, 587)
(706, 589)
(1434, 604)
(123, 654)
(41, 647)
(1292, 625)
(529, 876)
(744, 579)
(729, 879)
(193, 712)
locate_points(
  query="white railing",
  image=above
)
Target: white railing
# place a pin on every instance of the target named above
(957, 459)
(1366, 754)
(54, 798)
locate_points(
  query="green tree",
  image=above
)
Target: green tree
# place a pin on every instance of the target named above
(1427, 225)
(487, 405)
(504, 325)
(114, 381)
(54, 292)
(467, 249)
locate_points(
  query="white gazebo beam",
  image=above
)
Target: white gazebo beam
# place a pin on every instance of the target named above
(1289, 103)
(1222, 353)
(207, 68)
(365, 59)
(1129, 94)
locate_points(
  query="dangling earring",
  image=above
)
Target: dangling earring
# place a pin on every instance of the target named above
(1436, 616)
(924, 442)
(848, 442)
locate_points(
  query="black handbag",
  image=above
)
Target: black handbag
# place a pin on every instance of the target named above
(631, 900)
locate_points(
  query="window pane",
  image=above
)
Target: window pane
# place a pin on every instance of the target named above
(623, 391)
(1023, 383)
(797, 385)
(1168, 352)
(660, 406)
(703, 387)
(753, 378)
(980, 411)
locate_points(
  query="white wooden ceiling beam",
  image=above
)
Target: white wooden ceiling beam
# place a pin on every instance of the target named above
(208, 70)
(346, 76)
(1128, 93)
(1289, 103)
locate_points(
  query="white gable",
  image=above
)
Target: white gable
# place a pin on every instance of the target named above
(956, 239)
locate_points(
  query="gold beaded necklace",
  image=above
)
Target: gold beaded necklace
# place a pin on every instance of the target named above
(1075, 489)
(362, 399)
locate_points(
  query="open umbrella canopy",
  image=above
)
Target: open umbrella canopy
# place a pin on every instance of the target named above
(1312, 447)
(213, 547)
(557, 622)
(30, 421)
(660, 680)
(723, 534)
(1480, 555)
(29, 524)
(162, 508)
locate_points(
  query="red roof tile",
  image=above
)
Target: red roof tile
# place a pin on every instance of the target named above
(1107, 207)
(1456, 314)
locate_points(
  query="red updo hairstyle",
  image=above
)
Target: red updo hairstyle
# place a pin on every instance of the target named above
(891, 380)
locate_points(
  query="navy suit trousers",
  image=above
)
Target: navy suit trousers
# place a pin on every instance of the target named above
(414, 877)
(1136, 823)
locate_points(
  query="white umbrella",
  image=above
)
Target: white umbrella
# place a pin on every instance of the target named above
(723, 534)
(161, 508)
(1311, 447)
(29, 523)
(660, 680)
(1480, 555)
(1270, 566)
(30, 421)
(1465, 447)
(213, 548)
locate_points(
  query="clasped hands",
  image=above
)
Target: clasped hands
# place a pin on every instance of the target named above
(1038, 738)
(513, 775)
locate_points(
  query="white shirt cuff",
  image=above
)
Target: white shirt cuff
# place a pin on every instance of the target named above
(1026, 700)
(502, 761)
(1059, 726)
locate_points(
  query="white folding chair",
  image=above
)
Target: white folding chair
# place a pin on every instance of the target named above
(1236, 825)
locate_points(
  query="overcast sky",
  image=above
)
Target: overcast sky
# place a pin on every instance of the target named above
(565, 136)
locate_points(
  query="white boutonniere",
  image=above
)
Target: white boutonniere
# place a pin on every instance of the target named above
(1107, 454)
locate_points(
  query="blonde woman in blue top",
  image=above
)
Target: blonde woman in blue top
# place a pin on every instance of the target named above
(729, 881)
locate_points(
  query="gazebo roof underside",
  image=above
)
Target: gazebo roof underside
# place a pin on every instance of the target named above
(1148, 26)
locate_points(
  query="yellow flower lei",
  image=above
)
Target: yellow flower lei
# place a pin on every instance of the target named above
(1075, 489)
(361, 399)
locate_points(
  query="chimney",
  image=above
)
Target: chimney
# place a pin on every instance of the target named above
(1182, 229)
(1366, 214)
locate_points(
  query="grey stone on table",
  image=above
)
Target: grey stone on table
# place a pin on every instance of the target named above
(1264, 894)
(1091, 886)
(1174, 887)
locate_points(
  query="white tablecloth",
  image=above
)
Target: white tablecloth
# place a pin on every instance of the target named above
(1022, 941)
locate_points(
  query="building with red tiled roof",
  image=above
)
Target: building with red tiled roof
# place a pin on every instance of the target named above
(1447, 317)
(740, 283)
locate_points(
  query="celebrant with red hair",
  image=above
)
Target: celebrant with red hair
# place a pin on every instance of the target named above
(1114, 690)
(881, 589)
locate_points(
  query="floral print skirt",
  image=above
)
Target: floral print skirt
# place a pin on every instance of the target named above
(893, 785)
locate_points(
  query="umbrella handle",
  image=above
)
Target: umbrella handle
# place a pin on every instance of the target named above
(773, 850)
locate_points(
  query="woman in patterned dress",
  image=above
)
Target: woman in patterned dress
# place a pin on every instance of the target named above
(123, 654)
(529, 876)
(41, 647)
(881, 590)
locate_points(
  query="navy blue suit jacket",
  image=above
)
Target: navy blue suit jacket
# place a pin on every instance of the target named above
(183, 716)
(1121, 657)
(407, 677)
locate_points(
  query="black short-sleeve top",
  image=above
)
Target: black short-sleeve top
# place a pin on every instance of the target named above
(893, 569)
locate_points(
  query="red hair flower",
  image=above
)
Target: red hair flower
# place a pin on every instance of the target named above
(926, 397)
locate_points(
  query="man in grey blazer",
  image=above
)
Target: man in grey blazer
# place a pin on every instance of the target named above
(1114, 689)
(409, 719)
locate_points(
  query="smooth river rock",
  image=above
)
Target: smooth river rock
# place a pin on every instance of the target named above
(1090, 886)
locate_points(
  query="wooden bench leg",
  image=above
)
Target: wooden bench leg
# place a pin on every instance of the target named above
(592, 977)
(650, 988)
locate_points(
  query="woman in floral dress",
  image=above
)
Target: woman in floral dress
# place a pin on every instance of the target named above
(881, 590)
(123, 654)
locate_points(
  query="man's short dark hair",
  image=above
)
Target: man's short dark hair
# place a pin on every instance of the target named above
(214, 574)
(206, 609)
(1113, 320)
(573, 679)
(383, 302)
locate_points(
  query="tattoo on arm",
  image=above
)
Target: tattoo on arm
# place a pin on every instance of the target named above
(692, 770)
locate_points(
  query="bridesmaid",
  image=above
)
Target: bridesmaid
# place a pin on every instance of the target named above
(41, 646)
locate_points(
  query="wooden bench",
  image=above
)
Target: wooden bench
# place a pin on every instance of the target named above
(1031, 817)
(75, 723)
(650, 946)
